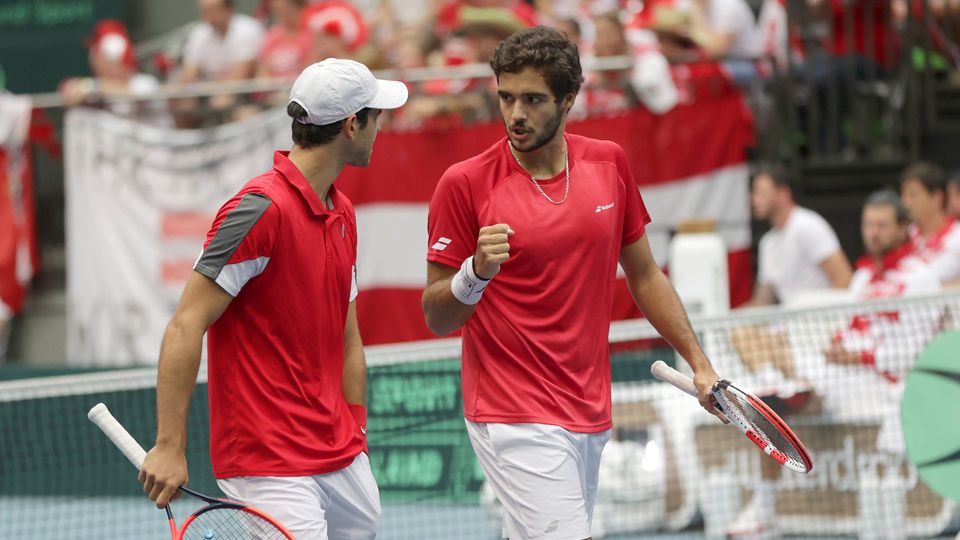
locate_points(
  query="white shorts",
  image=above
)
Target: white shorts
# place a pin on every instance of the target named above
(544, 476)
(342, 505)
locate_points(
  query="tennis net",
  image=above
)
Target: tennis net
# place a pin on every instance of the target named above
(669, 469)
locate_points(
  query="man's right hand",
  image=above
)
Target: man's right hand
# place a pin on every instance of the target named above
(163, 471)
(493, 249)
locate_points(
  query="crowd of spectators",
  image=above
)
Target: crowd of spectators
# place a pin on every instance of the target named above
(912, 243)
(281, 37)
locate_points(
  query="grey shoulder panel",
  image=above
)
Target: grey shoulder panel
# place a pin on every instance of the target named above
(231, 233)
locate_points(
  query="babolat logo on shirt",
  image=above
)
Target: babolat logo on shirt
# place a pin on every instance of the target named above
(442, 243)
(604, 207)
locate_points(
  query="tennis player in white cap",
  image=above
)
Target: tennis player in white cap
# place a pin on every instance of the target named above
(275, 290)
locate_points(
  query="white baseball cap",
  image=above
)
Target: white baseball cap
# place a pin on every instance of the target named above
(335, 88)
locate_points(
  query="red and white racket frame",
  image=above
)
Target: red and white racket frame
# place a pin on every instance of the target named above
(667, 374)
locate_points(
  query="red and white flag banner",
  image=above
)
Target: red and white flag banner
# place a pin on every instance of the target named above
(18, 246)
(140, 200)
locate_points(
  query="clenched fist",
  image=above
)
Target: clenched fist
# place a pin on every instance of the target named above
(493, 249)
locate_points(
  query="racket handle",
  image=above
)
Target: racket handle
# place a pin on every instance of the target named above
(101, 416)
(667, 374)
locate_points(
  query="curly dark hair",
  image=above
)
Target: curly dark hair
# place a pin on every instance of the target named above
(546, 50)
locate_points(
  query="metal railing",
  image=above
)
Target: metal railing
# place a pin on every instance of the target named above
(862, 84)
(252, 86)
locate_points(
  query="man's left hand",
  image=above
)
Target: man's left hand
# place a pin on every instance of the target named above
(704, 379)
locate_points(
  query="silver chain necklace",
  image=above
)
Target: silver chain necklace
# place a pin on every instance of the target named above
(566, 167)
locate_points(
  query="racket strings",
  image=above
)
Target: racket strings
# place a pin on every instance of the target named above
(231, 524)
(737, 405)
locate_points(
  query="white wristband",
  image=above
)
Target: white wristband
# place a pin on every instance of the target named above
(466, 286)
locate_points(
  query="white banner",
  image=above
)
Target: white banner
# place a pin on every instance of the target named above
(140, 200)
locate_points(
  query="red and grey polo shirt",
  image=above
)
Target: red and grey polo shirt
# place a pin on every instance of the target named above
(275, 356)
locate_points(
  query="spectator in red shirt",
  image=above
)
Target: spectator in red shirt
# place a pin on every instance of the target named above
(283, 53)
(606, 92)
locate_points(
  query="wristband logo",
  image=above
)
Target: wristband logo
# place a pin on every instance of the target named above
(441, 244)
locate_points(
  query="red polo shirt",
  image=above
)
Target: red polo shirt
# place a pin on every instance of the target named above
(275, 356)
(536, 349)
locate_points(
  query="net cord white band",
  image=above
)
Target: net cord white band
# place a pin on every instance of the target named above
(466, 286)
(101, 416)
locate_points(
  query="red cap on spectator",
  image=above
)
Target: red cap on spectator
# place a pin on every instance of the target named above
(110, 38)
(336, 18)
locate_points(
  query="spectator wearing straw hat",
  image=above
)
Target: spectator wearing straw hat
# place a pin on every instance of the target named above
(275, 291)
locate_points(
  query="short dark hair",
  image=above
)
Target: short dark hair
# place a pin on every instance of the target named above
(931, 176)
(888, 197)
(310, 135)
(546, 50)
(781, 176)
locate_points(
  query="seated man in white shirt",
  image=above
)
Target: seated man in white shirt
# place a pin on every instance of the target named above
(873, 352)
(223, 46)
(934, 232)
(800, 252)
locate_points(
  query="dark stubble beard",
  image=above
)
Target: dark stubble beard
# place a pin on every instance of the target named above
(549, 131)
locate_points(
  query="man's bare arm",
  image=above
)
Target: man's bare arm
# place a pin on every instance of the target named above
(838, 270)
(658, 301)
(202, 303)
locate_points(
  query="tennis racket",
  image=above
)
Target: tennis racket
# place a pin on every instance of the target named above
(757, 421)
(220, 519)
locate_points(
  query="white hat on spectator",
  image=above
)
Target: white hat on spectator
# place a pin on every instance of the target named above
(333, 89)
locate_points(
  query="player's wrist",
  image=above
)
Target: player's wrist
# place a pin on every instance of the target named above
(473, 267)
(466, 285)
(171, 442)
